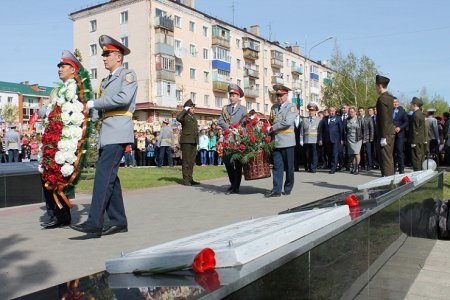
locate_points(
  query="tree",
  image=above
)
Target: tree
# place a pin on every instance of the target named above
(353, 81)
(10, 112)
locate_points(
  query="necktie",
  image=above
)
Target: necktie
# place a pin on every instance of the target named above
(232, 108)
(395, 113)
(329, 120)
(310, 120)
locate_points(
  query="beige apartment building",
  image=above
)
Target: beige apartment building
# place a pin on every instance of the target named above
(180, 53)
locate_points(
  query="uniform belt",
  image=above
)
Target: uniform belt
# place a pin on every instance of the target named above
(115, 113)
(311, 133)
(286, 131)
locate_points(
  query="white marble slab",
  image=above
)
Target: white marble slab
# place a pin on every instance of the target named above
(234, 245)
(416, 177)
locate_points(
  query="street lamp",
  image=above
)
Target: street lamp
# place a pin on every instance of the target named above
(319, 43)
(298, 93)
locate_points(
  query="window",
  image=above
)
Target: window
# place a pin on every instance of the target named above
(125, 65)
(93, 49)
(293, 64)
(287, 78)
(124, 17)
(206, 76)
(206, 100)
(191, 26)
(266, 107)
(313, 69)
(238, 43)
(257, 87)
(205, 31)
(124, 41)
(258, 106)
(179, 95)
(178, 69)
(94, 73)
(10, 99)
(177, 21)
(314, 97)
(205, 53)
(192, 73)
(238, 63)
(167, 63)
(193, 96)
(249, 106)
(218, 102)
(93, 25)
(192, 50)
(287, 62)
(221, 54)
(177, 44)
(257, 67)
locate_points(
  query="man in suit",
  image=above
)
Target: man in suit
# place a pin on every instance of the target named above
(116, 105)
(331, 137)
(309, 135)
(165, 144)
(188, 141)
(282, 120)
(344, 161)
(374, 145)
(233, 113)
(400, 120)
(385, 126)
(418, 133)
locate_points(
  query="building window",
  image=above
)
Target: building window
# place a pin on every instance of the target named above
(257, 67)
(287, 78)
(238, 43)
(206, 76)
(192, 50)
(221, 54)
(266, 108)
(179, 95)
(192, 74)
(265, 71)
(257, 87)
(287, 62)
(124, 17)
(177, 21)
(178, 69)
(205, 31)
(125, 65)
(93, 49)
(249, 106)
(124, 41)
(193, 96)
(177, 44)
(258, 106)
(206, 100)
(238, 63)
(205, 53)
(293, 64)
(313, 69)
(168, 63)
(239, 82)
(218, 102)
(191, 26)
(94, 73)
(10, 99)
(93, 25)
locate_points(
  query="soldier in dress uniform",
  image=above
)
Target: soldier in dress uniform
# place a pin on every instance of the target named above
(309, 136)
(385, 126)
(282, 120)
(231, 114)
(165, 144)
(418, 133)
(116, 105)
(188, 141)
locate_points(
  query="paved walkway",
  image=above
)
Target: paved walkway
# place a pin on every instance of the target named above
(32, 259)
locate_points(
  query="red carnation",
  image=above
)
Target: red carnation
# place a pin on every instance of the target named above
(242, 147)
(252, 138)
(227, 132)
(226, 137)
(255, 121)
(241, 132)
(267, 139)
(224, 144)
(233, 147)
(249, 131)
(248, 125)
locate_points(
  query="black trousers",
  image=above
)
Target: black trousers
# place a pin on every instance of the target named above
(234, 170)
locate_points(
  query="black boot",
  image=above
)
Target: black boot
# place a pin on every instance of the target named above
(356, 170)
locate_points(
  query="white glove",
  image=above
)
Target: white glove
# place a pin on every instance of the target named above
(425, 143)
(269, 128)
(413, 145)
(383, 142)
(90, 104)
(301, 143)
(186, 108)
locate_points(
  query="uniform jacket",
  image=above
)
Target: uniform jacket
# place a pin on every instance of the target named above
(118, 94)
(385, 125)
(310, 130)
(166, 137)
(189, 128)
(12, 140)
(283, 123)
(417, 129)
(433, 132)
(227, 117)
(368, 129)
(331, 129)
(400, 120)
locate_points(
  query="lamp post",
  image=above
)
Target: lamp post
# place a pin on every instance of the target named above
(319, 43)
(298, 93)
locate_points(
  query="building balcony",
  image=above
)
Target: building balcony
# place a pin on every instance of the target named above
(327, 81)
(221, 65)
(251, 92)
(166, 101)
(276, 62)
(220, 41)
(296, 85)
(251, 54)
(161, 48)
(164, 22)
(297, 70)
(220, 86)
(277, 80)
(251, 73)
(165, 75)
(314, 76)
(248, 43)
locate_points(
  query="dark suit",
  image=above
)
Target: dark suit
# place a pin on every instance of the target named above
(331, 135)
(343, 153)
(400, 120)
(188, 142)
(368, 136)
(418, 133)
(385, 129)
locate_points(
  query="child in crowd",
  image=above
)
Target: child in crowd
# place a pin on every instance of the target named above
(211, 148)
(219, 149)
(203, 141)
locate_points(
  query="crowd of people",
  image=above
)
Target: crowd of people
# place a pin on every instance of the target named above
(18, 146)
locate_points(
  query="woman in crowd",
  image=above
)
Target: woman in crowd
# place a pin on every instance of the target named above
(141, 148)
(353, 135)
(203, 146)
(34, 148)
(211, 147)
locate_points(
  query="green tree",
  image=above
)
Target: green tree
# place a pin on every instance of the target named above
(10, 112)
(353, 81)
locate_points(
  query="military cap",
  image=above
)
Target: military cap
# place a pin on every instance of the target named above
(235, 89)
(12, 126)
(108, 44)
(189, 103)
(166, 121)
(312, 106)
(281, 89)
(431, 110)
(417, 101)
(67, 58)
(382, 80)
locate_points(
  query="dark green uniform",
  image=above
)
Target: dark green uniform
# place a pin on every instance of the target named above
(386, 129)
(188, 142)
(417, 137)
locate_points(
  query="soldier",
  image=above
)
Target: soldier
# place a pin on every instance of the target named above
(385, 126)
(116, 106)
(282, 119)
(188, 141)
(12, 141)
(231, 114)
(417, 134)
(165, 144)
(309, 136)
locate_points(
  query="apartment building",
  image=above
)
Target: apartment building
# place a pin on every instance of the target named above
(181, 53)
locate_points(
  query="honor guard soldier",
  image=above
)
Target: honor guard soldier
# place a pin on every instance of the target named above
(231, 114)
(282, 120)
(309, 136)
(385, 126)
(418, 134)
(116, 105)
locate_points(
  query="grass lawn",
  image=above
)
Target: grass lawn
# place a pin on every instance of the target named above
(147, 177)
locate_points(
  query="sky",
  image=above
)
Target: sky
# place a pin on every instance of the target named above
(409, 40)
